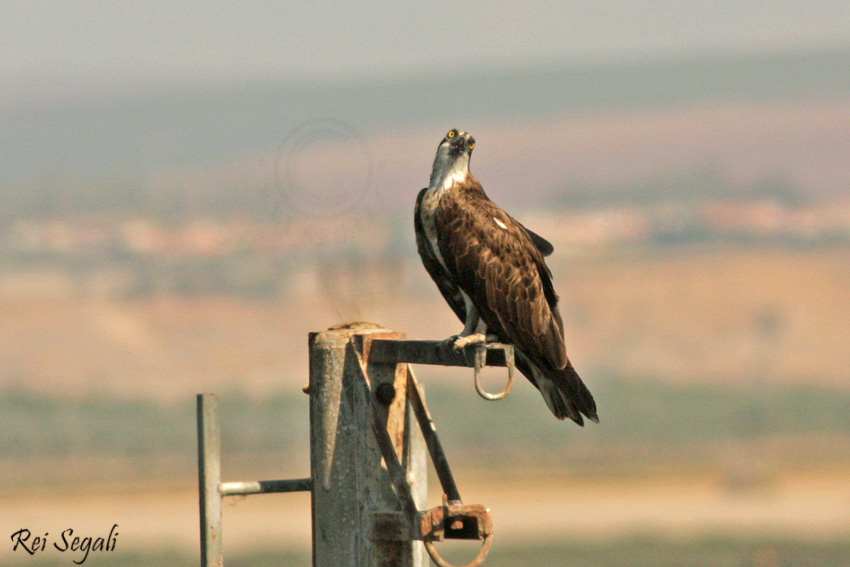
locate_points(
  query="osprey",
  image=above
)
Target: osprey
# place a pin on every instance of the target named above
(491, 271)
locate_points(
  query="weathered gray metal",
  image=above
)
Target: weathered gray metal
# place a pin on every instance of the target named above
(442, 353)
(435, 448)
(358, 517)
(212, 490)
(368, 459)
(209, 478)
(435, 352)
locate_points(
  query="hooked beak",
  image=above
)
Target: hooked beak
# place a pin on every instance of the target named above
(459, 145)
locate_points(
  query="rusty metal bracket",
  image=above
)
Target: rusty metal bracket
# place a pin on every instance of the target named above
(441, 353)
(481, 360)
(454, 520)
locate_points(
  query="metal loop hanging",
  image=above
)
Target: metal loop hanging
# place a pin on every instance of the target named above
(481, 360)
(479, 559)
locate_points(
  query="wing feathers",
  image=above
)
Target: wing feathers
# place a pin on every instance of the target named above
(541, 243)
(501, 268)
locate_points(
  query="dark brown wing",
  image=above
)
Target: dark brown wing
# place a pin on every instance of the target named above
(443, 280)
(497, 263)
(542, 244)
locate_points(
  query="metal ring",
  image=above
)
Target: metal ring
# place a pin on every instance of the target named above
(480, 361)
(479, 559)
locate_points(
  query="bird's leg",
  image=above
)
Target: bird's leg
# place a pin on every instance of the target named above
(459, 341)
(472, 328)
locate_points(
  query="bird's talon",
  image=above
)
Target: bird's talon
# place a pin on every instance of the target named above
(463, 342)
(449, 343)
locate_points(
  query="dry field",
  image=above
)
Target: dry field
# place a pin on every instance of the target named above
(684, 314)
(804, 506)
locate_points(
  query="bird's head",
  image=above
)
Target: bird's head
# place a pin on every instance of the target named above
(451, 163)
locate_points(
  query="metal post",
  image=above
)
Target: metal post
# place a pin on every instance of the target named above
(209, 477)
(353, 493)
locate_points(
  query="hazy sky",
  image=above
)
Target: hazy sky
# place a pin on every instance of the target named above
(91, 45)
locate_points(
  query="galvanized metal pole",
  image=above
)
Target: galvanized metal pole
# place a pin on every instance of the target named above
(209, 477)
(351, 484)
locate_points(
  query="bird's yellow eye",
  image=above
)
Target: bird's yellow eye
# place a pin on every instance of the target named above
(451, 134)
(471, 145)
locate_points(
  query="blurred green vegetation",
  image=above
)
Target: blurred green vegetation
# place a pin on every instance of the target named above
(44, 425)
(644, 422)
(630, 552)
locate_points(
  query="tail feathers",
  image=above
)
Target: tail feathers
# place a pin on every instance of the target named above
(577, 393)
(564, 393)
(558, 403)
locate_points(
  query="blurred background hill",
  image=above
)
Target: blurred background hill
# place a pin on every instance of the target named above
(175, 217)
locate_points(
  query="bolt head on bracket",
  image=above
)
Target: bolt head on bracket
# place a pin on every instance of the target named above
(385, 393)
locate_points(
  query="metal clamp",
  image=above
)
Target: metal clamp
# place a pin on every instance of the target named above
(453, 520)
(481, 360)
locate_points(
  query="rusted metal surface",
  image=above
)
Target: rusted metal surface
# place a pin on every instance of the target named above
(457, 521)
(391, 424)
(397, 472)
(416, 458)
(209, 477)
(390, 525)
(243, 488)
(360, 466)
(452, 520)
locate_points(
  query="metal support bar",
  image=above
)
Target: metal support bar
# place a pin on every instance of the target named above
(429, 430)
(394, 351)
(209, 477)
(212, 490)
(265, 486)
